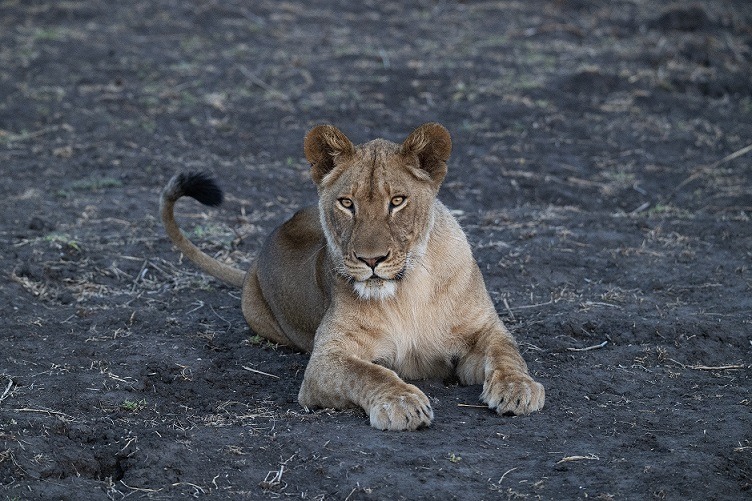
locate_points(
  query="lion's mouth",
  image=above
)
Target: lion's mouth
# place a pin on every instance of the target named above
(376, 285)
(378, 279)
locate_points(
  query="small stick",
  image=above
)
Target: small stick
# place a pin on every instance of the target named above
(260, 372)
(47, 411)
(197, 487)
(678, 363)
(505, 474)
(700, 170)
(253, 78)
(139, 489)
(590, 457)
(598, 303)
(640, 208)
(229, 324)
(473, 406)
(200, 305)
(716, 368)
(351, 493)
(7, 389)
(595, 347)
(537, 305)
(128, 443)
(709, 367)
(509, 310)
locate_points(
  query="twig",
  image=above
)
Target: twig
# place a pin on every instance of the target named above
(128, 443)
(702, 169)
(589, 457)
(260, 372)
(677, 363)
(229, 324)
(200, 305)
(7, 389)
(140, 276)
(716, 368)
(47, 411)
(139, 489)
(641, 208)
(505, 474)
(197, 487)
(594, 347)
(509, 310)
(537, 305)
(599, 303)
(253, 78)
(351, 493)
(473, 406)
(273, 479)
(709, 367)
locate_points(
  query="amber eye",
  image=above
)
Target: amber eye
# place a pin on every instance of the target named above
(396, 201)
(346, 203)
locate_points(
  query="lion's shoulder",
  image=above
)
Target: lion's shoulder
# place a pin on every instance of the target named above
(302, 230)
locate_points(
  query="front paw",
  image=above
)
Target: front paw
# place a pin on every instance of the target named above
(404, 409)
(515, 393)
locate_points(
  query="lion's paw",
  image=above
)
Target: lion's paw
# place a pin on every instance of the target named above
(408, 409)
(513, 393)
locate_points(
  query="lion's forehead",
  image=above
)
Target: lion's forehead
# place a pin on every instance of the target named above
(379, 181)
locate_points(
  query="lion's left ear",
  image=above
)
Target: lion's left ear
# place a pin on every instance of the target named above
(323, 145)
(432, 145)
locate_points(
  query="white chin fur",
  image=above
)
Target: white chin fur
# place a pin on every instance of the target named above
(375, 289)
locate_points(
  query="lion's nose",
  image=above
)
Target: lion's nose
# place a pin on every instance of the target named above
(372, 262)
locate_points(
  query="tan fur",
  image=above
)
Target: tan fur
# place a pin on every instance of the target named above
(379, 283)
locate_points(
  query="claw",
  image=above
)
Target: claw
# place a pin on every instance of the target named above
(517, 394)
(410, 410)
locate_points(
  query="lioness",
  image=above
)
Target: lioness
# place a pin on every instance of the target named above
(378, 282)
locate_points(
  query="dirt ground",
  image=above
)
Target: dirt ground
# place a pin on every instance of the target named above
(601, 169)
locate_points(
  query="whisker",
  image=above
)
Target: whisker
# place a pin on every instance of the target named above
(315, 253)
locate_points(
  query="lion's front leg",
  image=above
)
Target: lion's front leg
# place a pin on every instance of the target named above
(495, 360)
(337, 377)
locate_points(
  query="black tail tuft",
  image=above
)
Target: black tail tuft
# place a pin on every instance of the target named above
(199, 185)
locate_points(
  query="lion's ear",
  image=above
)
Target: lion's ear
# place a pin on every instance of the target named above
(432, 145)
(323, 145)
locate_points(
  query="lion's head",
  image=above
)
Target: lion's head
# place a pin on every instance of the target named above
(376, 202)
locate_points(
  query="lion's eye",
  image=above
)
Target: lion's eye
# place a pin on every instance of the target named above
(396, 201)
(346, 203)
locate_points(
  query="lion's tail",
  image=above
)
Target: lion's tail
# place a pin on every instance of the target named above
(203, 188)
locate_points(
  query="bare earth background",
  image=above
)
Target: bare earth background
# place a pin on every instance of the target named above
(599, 170)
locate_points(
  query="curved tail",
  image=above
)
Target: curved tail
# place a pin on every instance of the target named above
(203, 188)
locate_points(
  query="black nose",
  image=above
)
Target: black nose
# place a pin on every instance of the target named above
(372, 262)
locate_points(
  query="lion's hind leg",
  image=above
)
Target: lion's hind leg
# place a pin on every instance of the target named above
(257, 313)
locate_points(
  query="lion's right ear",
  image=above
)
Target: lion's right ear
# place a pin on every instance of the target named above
(323, 145)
